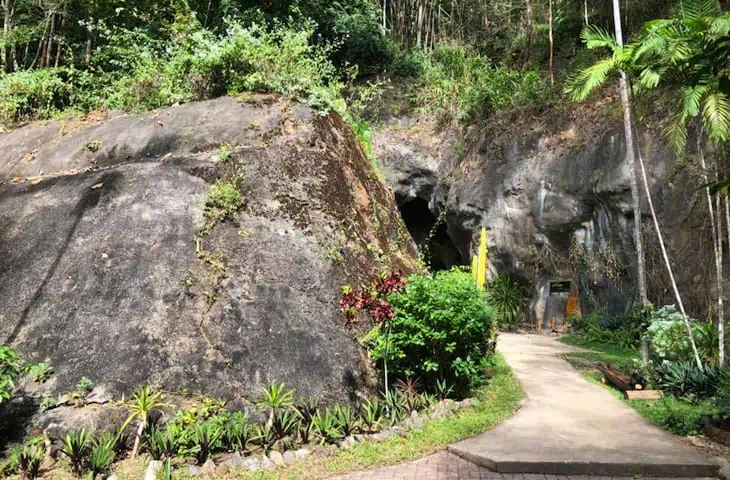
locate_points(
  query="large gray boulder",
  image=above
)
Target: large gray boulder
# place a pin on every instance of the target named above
(101, 274)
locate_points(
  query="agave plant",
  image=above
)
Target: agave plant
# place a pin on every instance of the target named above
(276, 397)
(346, 419)
(166, 472)
(266, 436)
(371, 414)
(444, 390)
(395, 406)
(161, 444)
(204, 437)
(76, 449)
(100, 458)
(326, 427)
(143, 402)
(285, 423)
(306, 410)
(505, 297)
(29, 459)
(238, 432)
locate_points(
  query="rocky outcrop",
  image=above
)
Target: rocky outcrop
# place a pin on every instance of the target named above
(107, 271)
(552, 188)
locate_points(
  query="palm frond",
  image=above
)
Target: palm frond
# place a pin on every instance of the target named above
(596, 37)
(697, 9)
(586, 81)
(677, 132)
(721, 25)
(691, 99)
(716, 116)
(650, 77)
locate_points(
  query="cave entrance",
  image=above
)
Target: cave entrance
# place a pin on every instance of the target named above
(431, 236)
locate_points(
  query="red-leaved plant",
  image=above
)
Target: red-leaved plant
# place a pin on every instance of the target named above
(372, 300)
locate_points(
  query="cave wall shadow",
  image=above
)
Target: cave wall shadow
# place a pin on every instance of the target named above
(442, 249)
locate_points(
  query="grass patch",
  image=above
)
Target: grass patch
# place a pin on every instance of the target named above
(601, 352)
(676, 415)
(499, 401)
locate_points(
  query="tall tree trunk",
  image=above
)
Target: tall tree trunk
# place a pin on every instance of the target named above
(667, 264)
(8, 13)
(585, 11)
(721, 324)
(550, 39)
(419, 31)
(716, 224)
(631, 160)
(385, 14)
(49, 47)
(530, 27)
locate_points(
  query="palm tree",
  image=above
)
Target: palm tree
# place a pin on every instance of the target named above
(582, 85)
(623, 59)
(143, 402)
(690, 54)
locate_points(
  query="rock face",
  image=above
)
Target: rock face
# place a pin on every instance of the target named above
(553, 190)
(101, 274)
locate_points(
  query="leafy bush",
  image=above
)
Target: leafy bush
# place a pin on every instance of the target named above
(504, 295)
(10, 368)
(441, 329)
(669, 340)
(470, 86)
(224, 199)
(622, 331)
(32, 94)
(409, 64)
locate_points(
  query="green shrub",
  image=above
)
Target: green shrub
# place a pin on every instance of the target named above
(10, 368)
(471, 87)
(669, 339)
(26, 95)
(409, 64)
(623, 331)
(504, 295)
(441, 329)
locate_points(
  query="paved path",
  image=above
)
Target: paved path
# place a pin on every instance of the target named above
(570, 426)
(446, 466)
(566, 426)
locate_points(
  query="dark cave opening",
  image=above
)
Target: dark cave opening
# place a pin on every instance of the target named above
(433, 240)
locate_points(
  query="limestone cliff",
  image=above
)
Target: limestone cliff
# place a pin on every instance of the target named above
(552, 188)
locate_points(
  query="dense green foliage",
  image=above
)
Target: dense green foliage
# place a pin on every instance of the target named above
(470, 86)
(442, 329)
(669, 339)
(10, 368)
(624, 331)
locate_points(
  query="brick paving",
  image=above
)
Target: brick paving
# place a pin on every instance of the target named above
(445, 466)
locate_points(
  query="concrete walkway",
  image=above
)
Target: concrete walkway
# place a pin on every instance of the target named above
(568, 426)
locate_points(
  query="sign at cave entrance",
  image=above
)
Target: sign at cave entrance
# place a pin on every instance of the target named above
(560, 287)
